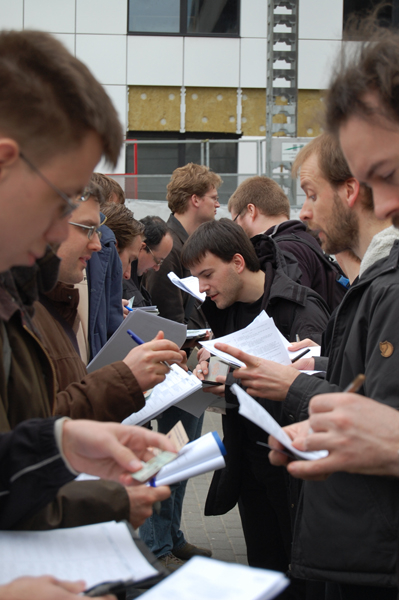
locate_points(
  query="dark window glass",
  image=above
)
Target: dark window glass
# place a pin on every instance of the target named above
(154, 16)
(212, 16)
(361, 8)
(162, 159)
(185, 17)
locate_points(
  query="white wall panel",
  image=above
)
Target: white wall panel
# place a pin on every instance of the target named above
(118, 95)
(316, 59)
(11, 14)
(105, 55)
(101, 16)
(211, 62)
(253, 18)
(48, 15)
(320, 19)
(253, 63)
(155, 60)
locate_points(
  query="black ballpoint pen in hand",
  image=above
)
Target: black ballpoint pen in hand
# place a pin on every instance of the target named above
(139, 341)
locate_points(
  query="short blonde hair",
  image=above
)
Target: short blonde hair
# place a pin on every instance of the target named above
(187, 181)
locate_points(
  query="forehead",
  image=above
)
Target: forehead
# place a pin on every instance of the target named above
(369, 144)
(310, 171)
(209, 261)
(90, 209)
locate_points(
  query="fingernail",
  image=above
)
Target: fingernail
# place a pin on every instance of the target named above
(135, 465)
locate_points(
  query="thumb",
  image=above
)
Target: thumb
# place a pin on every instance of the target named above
(159, 336)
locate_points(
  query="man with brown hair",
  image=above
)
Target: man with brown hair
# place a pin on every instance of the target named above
(262, 209)
(111, 189)
(193, 199)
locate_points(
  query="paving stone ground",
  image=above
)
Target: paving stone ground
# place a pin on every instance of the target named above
(223, 535)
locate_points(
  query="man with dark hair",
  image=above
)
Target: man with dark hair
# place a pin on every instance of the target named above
(262, 209)
(365, 334)
(238, 288)
(156, 247)
(193, 199)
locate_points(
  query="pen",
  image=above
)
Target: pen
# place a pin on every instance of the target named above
(128, 308)
(139, 341)
(300, 355)
(297, 338)
(356, 384)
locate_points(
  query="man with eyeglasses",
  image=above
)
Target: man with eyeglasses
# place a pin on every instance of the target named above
(112, 393)
(193, 199)
(54, 112)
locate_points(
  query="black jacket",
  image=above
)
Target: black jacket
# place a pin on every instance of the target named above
(317, 269)
(134, 287)
(347, 526)
(31, 470)
(295, 309)
(173, 303)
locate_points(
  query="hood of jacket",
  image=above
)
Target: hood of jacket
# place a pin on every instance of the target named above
(380, 247)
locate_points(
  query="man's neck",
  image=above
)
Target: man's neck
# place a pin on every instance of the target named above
(369, 226)
(253, 286)
(188, 221)
(262, 223)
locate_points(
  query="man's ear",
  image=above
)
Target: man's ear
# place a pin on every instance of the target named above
(9, 154)
(352, 188)
(238, 263)
(195, 200)
(252, 211)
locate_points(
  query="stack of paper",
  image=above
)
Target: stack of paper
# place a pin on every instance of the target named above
(203, 455)
(189, 285)
(178, 384)
(202, 578)
(254, 412)
(93, 553)
(260, 338)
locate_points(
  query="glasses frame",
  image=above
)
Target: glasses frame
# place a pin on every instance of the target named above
(91, 229)
(157, 261)
(71, 204)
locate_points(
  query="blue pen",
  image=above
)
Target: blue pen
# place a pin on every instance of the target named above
(128, 308)
(139, 341)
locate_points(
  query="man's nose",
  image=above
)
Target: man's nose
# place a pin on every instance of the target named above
(306, 211)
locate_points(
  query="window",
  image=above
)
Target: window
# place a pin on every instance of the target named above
(387, 15)
(154, 162)
(184, 17)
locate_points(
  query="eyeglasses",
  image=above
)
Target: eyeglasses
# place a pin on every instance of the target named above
(157, 261)
(236, 217)
(71, 202)
(91, 229)
(214, 198)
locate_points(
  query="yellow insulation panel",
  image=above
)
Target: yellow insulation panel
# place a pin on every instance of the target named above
(211, 109)
(310, 112)
(253, 116)
(154, 108)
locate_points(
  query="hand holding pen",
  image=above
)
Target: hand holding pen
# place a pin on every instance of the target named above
(150, 361)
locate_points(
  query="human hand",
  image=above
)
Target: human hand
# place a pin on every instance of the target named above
(141, 500)
(263, 378)
(306, 343)
(216, 390)
(304, 364)
(203, 354)
(361, 436)
(202, 369)
(296, 432)
(144, 361)
(44, 588)
(110, 450)
(125, 310)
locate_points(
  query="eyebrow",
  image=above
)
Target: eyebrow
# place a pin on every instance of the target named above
(203, 271)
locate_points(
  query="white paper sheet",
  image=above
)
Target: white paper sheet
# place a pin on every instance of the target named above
(254, 412)
(200, 456)
(177, 385)
(261, 338)
(189, 285)
(94, 553)
(202, 578)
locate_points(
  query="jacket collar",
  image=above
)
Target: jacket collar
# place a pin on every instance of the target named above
(175, 225)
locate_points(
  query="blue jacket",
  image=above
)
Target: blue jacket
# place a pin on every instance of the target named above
(104, 281)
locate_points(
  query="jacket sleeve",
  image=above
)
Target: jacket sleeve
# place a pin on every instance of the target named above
(115, 310)
(109, 394)
(169, 299)
(81, 503)
(302, 390)
(310, 320)
(31, 470)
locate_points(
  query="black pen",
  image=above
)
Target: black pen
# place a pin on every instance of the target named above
(300, 355)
